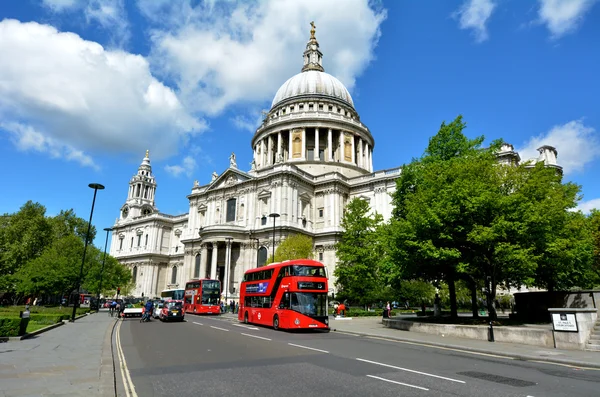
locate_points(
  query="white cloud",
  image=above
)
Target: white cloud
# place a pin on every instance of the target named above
(563, 16)
(60, 5)
(26, 138)
(587, 206)
(220, 53)
(474, 14)
(249, 122)
(577, 145)
(75, 94)
(187, 167)
(110, 15)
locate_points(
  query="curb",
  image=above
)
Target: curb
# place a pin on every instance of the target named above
(107, 364)
(522, 357)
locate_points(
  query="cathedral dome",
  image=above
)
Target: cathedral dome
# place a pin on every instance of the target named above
(313, 83)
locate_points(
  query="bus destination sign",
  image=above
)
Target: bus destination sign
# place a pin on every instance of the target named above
(311, 285)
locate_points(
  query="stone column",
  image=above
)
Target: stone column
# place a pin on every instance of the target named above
(353, 151)
(303, 155)
(341, 147)
(227, 268)
(270, 150)
(289, 144)
(279, 145)
(263, 154)
(203, 260)
(371, 159)
(213, 265)
(317, 144)
(329, 146)
(360, 153)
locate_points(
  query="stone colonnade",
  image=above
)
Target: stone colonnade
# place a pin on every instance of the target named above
(313, 144)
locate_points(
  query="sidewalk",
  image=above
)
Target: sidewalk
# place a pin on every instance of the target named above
(74, 359)
(372, 326)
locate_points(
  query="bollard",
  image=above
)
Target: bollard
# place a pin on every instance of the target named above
(24, 322)
(491, 332)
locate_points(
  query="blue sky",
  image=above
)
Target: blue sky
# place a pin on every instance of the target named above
(87, 86)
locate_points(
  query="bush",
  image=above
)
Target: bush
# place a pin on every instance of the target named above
(363, 313)
(9, 326)
(49, 319)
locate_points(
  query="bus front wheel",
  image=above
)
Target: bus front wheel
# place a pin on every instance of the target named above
(246, 318)
(276, 322)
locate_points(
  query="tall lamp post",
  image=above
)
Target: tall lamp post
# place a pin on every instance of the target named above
(274, 216)
(228, 266)
(96, 187)
(106, 229)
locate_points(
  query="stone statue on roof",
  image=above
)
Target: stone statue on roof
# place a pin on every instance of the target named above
(312, 30)
(214, 176)
(232, 163)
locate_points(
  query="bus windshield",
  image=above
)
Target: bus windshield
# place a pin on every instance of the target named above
(211, 291)
(310, 271)
(309, 303)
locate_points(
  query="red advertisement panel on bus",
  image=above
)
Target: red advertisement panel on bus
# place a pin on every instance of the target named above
(289, 295)
(202, 296)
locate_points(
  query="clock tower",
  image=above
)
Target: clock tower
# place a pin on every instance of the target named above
(142, 188)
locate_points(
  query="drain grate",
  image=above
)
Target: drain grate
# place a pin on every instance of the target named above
(498, 379)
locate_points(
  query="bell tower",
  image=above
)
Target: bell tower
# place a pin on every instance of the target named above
(142, 188)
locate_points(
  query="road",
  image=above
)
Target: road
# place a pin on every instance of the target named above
(216, 356)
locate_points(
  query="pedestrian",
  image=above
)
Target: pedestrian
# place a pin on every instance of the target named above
(388, 309)
(237, 307)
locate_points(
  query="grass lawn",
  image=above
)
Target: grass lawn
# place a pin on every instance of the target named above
(14, 310)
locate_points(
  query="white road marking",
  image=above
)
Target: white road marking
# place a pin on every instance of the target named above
(198, 323)
(309, 348)
(255, 336)
(438, 347)
(245, 326)
(398, 383)
(222, 329)
(127, 382)
(410, 370)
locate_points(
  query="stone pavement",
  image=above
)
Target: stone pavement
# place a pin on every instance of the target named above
(372, 327)
(72, 360)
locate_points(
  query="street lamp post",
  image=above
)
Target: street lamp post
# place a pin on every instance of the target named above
(106, 229)
(96, 187)
(228, 266)
(274, 216)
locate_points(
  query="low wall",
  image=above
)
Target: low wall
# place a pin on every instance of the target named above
(586, 319)
(522, 335)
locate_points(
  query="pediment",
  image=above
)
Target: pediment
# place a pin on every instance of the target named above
(229, 178)
(264, 194)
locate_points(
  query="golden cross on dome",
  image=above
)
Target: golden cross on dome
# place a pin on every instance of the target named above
(312, 30)
(148, 153)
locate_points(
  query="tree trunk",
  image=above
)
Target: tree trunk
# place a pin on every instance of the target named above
(474, 305)
(452, 293)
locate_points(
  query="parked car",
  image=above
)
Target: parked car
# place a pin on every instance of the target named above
(157, 309)
(172, 310)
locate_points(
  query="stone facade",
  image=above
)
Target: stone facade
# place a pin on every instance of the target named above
(311, 155)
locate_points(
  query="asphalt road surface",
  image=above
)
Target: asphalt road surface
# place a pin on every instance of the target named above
(214, 356)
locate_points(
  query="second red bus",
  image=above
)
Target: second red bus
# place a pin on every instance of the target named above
(202, 296)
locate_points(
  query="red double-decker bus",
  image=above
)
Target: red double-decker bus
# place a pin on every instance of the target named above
(288, 295)
(202, 296)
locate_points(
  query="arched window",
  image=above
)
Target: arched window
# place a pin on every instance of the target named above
(262, 256)
(134, 274)
(197, 267)
(174, 275)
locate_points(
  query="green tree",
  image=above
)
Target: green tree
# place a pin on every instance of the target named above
(594, 227)
(295, 246)
(359, 252)
(23, 236)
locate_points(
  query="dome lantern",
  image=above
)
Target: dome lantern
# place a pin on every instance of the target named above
(313, 58)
